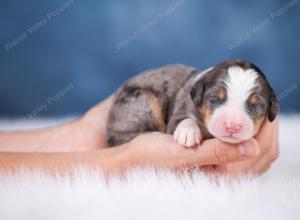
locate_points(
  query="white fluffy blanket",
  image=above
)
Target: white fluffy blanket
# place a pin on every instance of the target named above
(149, 195)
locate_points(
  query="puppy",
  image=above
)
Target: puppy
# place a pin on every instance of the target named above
(229, 101)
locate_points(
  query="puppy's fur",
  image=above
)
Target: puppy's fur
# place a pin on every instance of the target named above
(229, 101)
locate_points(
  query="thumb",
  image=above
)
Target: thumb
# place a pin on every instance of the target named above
(216, 152)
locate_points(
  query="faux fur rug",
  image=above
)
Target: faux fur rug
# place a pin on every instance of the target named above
(149, 195)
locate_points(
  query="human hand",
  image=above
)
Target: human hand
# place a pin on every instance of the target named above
(161, 151)
(263, 150)
(267, 143)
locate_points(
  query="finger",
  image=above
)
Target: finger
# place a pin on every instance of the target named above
(257, 165)
(267, 159)
(238, 168)
(242, 167)
(263, 170)
(266, 128)
(208, 169)
(267, 133)
(222, 170)
(214, 151)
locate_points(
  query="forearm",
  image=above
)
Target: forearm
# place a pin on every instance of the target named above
(49, 139)
(109, 160)
(86, 133)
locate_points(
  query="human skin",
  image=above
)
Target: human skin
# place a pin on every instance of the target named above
(83, 142)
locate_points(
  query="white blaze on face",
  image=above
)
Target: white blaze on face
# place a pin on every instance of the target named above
(230, 122)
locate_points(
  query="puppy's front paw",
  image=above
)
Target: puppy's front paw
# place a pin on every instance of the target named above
(187, 133)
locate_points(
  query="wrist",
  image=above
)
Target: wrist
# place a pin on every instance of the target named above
(88, 134)
(90, 129)
(116, 160)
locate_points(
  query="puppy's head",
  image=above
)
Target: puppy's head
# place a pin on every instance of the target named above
(234, 99)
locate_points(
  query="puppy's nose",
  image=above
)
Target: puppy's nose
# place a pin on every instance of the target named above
(232, 128)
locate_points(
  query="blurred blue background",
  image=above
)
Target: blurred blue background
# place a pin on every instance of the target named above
(62, 57)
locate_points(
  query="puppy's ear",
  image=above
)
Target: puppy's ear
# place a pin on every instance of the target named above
(197, 92)
(273, 108)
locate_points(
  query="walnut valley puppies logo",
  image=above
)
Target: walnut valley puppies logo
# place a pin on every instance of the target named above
(150, 24)
(284, 94)
(49, 101)
(263, 24)
(287, 91)
(38, 25)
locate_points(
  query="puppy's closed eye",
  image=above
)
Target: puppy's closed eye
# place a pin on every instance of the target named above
(256, 106)
(217, 97)
(215, 100)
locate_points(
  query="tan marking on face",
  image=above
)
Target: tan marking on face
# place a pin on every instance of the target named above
(221, 94)
(157, 112)
(204, 110)
(253, 99)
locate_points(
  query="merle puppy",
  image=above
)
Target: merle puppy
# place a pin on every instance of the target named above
(229, 101)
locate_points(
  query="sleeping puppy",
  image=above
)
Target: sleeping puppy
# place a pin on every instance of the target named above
(229, 101)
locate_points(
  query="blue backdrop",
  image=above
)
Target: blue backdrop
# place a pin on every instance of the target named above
(61, 57)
